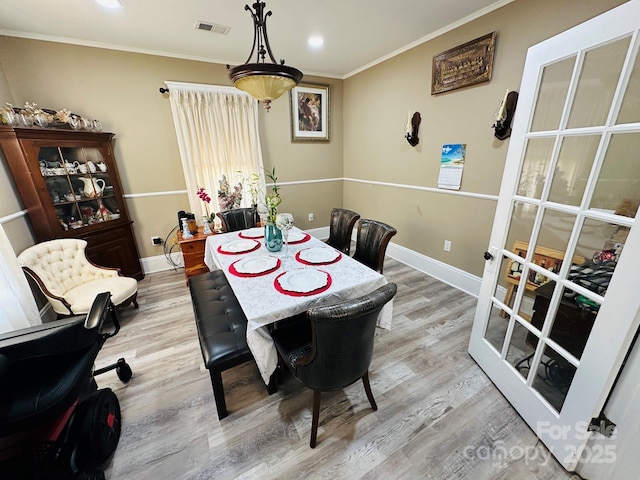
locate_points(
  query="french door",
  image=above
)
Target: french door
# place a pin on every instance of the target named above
(559, 301)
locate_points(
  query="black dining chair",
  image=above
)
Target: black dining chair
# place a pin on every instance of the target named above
(332, 347)
(340, 228)
(237, 219)
(371, 243)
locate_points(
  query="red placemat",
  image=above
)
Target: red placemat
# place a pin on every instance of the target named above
(232, 269)
(306, 237)
(302, 294)
(305, 262)
(238, 253)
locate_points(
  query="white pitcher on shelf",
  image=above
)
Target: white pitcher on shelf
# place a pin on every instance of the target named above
(93, 187)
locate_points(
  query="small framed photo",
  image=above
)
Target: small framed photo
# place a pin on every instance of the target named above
(310, 113)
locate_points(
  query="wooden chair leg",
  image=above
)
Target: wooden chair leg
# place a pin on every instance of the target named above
(367, 389)
(314, 421)
(272, 387)
(218, 393)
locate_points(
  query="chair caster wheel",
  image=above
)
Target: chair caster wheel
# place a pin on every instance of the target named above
(123, 370)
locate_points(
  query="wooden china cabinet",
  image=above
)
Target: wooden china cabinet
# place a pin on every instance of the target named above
(68, 182)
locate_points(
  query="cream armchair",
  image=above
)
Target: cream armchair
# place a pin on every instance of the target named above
(70, 281)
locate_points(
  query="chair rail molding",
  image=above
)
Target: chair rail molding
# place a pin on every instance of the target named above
(12, 216)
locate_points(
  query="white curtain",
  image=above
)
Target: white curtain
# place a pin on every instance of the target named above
(217, 131)
(17, 306)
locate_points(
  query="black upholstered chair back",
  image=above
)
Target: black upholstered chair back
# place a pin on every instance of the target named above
(237, 219)
(342, 340)
(340, 228)
(371, 243)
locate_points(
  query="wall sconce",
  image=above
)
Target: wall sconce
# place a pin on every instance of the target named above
(504, 115)
(413, 124)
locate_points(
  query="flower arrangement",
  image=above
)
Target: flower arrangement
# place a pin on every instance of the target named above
(228, 199)
(272, 200)
(204, 196)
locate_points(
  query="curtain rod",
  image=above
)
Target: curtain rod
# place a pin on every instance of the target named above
(163, 90)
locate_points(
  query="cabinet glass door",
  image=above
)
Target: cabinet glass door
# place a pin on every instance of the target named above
(80, 185)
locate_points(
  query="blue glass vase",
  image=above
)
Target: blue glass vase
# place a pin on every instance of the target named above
(272, 237)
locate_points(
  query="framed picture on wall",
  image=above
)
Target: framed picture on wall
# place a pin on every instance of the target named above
(310, 113)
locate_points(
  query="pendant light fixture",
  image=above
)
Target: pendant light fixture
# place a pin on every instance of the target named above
(263, 80)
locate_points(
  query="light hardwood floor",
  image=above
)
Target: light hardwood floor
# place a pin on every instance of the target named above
(439, 416)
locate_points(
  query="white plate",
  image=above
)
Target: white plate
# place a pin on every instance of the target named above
(257, 264)
(256, 232)
(319, 254)
(238, 246)
(296, 236)
(303, 280)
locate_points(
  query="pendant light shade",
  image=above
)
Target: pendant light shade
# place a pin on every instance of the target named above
(262, 80)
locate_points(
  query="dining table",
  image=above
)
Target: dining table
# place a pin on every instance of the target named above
(273, 286)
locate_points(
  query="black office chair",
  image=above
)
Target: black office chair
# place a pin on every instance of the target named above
(340, 228)
(332, 348)
(237, 219)
(54, 422)
(371, 243)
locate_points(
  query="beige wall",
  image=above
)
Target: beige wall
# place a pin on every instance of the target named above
(368, 116)
(121, 90)
(376, 103)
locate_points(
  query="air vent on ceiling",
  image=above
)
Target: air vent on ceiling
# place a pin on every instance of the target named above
(212, 27)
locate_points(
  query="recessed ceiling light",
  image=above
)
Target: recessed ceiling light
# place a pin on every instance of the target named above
(316, 41)
(110, 3)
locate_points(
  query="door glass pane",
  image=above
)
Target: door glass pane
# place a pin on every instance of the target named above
(497, 328)
(599, 243)
(573, 168)
(553, 377)
(572, 321)
(535, 167)
(507, 278)
(597, 84)
(535, 283)
(521, 225)
(630, 109)
(553, 237)
(618, 185)
(552, 95)
(521, 349)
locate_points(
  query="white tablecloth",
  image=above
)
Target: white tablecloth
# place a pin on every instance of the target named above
(263, 304)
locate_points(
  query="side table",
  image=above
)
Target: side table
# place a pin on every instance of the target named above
(193, 253)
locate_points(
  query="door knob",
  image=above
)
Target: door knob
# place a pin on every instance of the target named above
(487, 256)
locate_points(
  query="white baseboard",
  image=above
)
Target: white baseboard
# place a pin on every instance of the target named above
(453, 276)
(160, 263)
(448, 274)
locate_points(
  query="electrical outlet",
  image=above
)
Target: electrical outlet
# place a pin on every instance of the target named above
(156, 241)
(311, 217)
(447, 245)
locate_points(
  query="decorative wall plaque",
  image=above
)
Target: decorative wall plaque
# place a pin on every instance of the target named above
(464, 65)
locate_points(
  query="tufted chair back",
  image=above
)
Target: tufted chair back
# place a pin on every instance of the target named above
(371, 243)
(342, 340)
(332, 348)
(237, 219)
(340, 228)
(60, 266)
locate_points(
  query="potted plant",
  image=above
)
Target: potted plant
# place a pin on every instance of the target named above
(272, 235)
